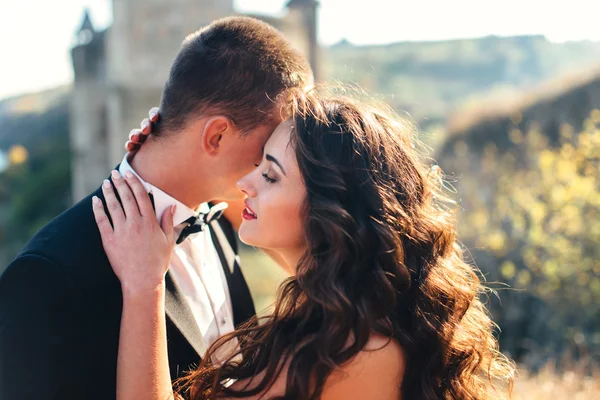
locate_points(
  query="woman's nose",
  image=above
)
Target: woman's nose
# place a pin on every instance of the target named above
(246, 187)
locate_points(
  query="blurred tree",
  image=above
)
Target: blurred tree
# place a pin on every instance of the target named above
(34, 188)
(532, 218)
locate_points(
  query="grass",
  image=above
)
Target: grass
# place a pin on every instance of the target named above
(549, 384)
(263, 276)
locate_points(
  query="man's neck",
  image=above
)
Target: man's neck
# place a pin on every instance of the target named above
(167, 167)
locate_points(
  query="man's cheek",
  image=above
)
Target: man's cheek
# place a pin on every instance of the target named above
(244, 170)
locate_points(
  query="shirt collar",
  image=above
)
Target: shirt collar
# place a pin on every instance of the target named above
(162, 201)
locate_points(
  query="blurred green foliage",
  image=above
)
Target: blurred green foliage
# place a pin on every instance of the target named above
(33, 191)
(531, 217)
(263, 276)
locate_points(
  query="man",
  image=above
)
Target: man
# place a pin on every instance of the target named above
(60, 302)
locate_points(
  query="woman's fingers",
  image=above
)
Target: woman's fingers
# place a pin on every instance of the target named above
(101, 219)
(138, 136)
(141, 195)
(166, 224)
(113, 205)
(153, 114)
(135, 135)
(127, 200)
(146, 127)
(132, 147)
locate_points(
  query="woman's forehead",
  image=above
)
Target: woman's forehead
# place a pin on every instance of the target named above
(280, 137)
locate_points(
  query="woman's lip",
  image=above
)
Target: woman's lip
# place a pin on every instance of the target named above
(249, 208)
(247, 215)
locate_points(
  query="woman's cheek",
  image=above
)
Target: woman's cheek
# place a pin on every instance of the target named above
(292, 225)
(278, 221)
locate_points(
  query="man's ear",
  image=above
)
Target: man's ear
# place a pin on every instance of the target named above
(214, 130)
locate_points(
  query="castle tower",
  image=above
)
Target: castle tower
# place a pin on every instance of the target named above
(303, 16)
(142, 44)
(88, 131)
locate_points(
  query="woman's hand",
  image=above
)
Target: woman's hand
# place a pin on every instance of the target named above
(138, 136)
(138, 248)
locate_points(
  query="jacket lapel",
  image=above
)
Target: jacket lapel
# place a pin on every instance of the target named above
(223, 238)
(179, 313)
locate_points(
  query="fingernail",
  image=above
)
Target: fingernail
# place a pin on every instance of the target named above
(116, 175)
(152, 115)
(128, 175)
(96, 201)
(173, 207)
(106, 184)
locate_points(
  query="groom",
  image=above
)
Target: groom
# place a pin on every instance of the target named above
(60, 303)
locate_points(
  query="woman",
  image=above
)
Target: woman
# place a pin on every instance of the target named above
(381, 304)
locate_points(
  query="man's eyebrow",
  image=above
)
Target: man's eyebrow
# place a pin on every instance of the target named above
(273, 159)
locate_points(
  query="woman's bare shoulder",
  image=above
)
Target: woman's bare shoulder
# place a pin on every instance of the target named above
(375, 372)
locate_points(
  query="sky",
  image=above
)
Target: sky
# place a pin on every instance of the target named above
(36, 35)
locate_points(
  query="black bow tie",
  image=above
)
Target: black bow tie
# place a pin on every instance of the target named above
(196, 224)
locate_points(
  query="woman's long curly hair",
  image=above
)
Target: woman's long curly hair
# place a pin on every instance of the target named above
(382, 257)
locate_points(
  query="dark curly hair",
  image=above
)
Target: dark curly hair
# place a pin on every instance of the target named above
(382, 257)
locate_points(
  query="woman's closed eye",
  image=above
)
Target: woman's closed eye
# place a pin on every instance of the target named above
(268, 178)
(266, 175)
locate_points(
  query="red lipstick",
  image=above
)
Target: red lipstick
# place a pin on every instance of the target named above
(248, 213)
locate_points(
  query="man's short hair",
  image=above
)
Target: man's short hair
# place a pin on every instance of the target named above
(236, 66)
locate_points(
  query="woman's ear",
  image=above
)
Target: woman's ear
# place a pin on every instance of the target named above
(213, 132)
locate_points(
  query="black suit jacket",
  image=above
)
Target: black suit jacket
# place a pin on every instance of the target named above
(60, 311)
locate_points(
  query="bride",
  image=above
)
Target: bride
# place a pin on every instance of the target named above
(381, 303)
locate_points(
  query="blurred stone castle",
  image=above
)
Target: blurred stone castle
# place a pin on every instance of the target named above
(120, 72)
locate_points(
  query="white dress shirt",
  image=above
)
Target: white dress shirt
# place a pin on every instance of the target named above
(195, 267)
